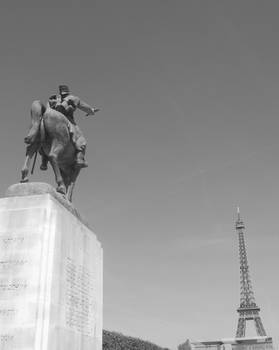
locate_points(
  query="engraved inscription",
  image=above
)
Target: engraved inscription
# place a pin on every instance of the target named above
(79, 298)
(9, 264)
(8, 240)
(7, 312)
(15, 285)
(4, 338)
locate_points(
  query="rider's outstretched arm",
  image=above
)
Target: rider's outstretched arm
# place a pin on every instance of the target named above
(85, 107)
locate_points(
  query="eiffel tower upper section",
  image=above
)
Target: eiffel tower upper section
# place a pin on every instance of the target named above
(248, 309)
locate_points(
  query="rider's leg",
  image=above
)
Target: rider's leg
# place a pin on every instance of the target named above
(80, 160)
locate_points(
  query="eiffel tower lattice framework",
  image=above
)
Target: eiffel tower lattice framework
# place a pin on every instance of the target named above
(248, 309)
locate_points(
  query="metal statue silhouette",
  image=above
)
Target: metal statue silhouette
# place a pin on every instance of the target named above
(56, 136)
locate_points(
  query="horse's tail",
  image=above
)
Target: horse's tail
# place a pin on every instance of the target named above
(37, 111)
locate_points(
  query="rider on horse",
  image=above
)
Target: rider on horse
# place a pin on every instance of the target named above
(66, 103)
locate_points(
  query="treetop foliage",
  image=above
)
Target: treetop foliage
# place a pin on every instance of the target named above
(118, 341)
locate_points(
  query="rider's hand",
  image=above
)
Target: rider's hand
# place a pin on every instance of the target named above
(93, 111)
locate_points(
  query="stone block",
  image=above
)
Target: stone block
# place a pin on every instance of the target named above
(50, 276)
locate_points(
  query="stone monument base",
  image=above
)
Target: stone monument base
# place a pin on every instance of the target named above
(50, 273)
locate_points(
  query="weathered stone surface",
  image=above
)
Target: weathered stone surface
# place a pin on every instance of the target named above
(50, 275)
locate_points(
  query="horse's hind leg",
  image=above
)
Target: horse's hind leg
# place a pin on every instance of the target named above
(56, 148)
(25, 169)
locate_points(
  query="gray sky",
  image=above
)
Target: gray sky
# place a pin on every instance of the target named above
(188, 130)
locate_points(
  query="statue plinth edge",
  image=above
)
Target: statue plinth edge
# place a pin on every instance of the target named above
(41, 188)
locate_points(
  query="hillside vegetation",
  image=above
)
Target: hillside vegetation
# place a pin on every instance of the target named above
(118, 341)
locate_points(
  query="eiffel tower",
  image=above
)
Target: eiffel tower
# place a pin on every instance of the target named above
(248, 309)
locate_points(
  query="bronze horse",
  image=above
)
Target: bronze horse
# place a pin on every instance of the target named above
(49, 133)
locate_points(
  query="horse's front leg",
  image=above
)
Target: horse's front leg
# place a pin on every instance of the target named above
(53, 156)
(74, 176)
(30, 150)
(70, 191)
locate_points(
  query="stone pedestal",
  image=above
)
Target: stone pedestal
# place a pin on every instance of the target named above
(50, 274)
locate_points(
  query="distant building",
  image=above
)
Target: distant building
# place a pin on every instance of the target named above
(256, 343)
(185, 346)
(207, 345)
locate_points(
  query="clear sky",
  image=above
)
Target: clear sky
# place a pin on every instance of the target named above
(188, 130)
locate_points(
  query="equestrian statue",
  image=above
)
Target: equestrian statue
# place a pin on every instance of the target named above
(56, 136)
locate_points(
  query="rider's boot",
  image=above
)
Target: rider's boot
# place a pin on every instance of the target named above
(80, 161)
(44, 163)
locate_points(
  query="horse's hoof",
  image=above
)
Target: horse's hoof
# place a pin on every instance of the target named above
(24, 180)
(61, 189)
(43, 167)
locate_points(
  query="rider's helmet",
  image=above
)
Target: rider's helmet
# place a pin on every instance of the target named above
(64, 90)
